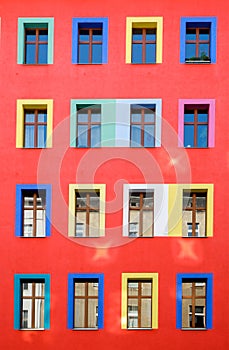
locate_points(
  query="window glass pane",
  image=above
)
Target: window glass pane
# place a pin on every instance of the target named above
(81, 223)
(30, 35)
(39, 313)
(147, 223)
(79, 314)
(150, 53)
(201, 199)
(30, 53)
(149, 116)
(27, 307)
(132, 313)
(82, 115)
(137, 34)
(84, 35)
(202, 116)
(43, 35)
(92, 313)
(93, 288)
(204, 50)
(97, 35)
(135, 136)
(202, 136)
(146, 288)
(42, 117)
(188, 136)
(190, 50)
(82, 140)
(146, 313)
(97, 53)
(41, 137)
(40, 223)
(94, 223)
(29, 117)
(136, 53)
(136, 116)
(191, 34)
(95, 115)
(94, 201)
(27, 289)
(133, 288)
(95, 136)
(79, 288)
(149, 136)
(189, 117)
(151, 34)
(29, 136)
(39, 289)
(83, 53)
(43, 53)
(204, 34)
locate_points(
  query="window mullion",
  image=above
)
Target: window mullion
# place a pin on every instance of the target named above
(86, 306)
(193, 214)
(142, 126)
(37, 44)
(139, 305)
(143, 45)
(89, 127)
(90, 45)
(141, 215)
(34, 214)
(193, 303)
(87, 214)
(33, 303)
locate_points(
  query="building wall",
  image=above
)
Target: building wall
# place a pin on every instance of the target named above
(59, 255)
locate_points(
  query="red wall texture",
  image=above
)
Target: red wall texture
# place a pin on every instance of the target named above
(58, 255)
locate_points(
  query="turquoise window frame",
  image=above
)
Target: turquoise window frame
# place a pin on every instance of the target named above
(18, 278)
(211, 22)
(71, 278)
(35, 22)
(108, 111)
(195, 277)
(19, 209)
(89, 22)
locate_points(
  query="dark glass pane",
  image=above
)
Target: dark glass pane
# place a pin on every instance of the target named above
(82, 136)
(84, 35)
(202, 116)
(204, 34)
(29, 136)
(137, 34)
(97, 53)
(95, 136)
(190, 50)
(42, 117)
(150, 53)
(30, 53)
(136, 53)
(29, 117)
(97, 35)
(202, 136)
(30, 35)
(135, 136)
(82, 116)
(149, 136)
(83, 53)
(189, 117)
(96, 115)
(188, 136)
(151, 34)
(43, 53)
(191, 34)
(204, 50)
(43, 35)
(41, 137)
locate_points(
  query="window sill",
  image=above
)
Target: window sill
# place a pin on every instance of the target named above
(33, 236)
(139, 329)
(197, 62)
(194, 329)
(32, 329)
(85, 329)
(195, 236)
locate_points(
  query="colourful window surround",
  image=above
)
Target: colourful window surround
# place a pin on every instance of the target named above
(34, 23)
(176, 204)
(144, 22)
(71, 278)
(17, 296)
(107, 120)
(72, 204)
(160, 207)
(93, 23)
(211, 119)
(197, 277)
(19, 209)
(123, 108)
(33, 104)
(138, 276)
(211, 22)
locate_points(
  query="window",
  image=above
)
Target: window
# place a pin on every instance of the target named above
(85, 301)
(32, 302)
(198, 40)
(141, 207)
(142, 125)
(138, 122)
(86, 210)
(33, 210)
(88, 126)
(194, 214)
(139, 300)
(34, 123)
(196, 126)
(90, 40)
(144, 40)
(35, 40)
(194, 301)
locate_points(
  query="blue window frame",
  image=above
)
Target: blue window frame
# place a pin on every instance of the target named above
(194, 292)
(20, 280)
(89, 303)
(89, 40)
(33, 210)
(198, 39)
